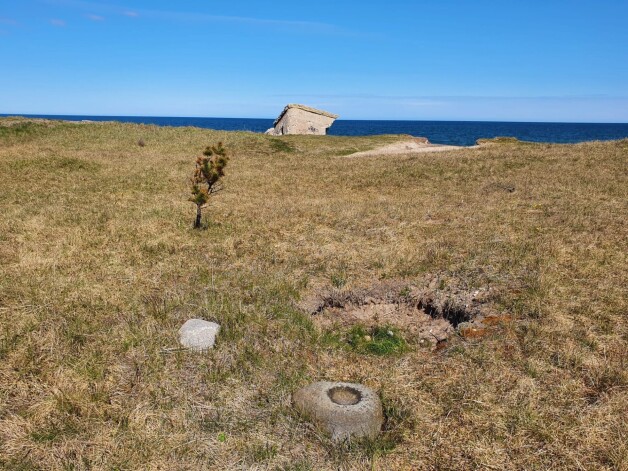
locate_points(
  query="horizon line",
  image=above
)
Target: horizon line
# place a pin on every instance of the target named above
(52, 115)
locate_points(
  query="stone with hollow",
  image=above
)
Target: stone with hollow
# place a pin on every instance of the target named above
(198, 334)
(345, 410)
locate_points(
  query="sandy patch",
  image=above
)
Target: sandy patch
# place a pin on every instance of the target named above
(413, 146)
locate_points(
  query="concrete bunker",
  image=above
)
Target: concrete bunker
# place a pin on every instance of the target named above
(301, 119)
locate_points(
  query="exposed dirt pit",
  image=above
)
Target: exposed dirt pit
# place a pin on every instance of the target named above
(427, 315)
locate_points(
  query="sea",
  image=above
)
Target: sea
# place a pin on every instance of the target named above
(462, 133)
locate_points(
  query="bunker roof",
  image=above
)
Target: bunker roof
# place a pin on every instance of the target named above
(304, 108)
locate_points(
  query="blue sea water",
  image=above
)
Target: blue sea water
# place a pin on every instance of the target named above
(439, 132)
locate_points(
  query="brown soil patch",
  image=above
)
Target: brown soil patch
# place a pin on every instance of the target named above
(430, 314)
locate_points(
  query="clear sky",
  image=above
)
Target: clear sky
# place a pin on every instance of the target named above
(520, 60)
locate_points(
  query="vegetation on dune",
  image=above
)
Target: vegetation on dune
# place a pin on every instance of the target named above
(97, 276)
(501, 140)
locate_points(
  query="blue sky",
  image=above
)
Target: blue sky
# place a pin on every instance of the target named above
(549, 60)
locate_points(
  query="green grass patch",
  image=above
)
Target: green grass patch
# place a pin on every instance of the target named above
(278, 145)
(376, 341)
(19, 130)
(343, 152)
(74, 164)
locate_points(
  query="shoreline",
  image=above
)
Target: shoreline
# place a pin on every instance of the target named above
(457, 134)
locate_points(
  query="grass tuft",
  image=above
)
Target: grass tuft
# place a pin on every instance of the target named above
(376, 341)
(279, 145)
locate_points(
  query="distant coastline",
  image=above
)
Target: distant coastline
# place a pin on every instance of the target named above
(462, 133)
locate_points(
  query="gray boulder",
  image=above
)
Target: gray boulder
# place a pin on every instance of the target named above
(199, 335)
(345, 410)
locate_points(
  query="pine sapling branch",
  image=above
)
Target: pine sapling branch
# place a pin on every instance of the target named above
(210, 168)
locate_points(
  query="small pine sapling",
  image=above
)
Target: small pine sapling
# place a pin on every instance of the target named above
(210, 168)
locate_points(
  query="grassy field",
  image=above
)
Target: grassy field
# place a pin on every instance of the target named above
(100, 266)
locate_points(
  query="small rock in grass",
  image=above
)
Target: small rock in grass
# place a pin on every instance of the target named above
(345, 410)
(198, 334)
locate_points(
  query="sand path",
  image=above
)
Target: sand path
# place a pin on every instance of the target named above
(408, 147)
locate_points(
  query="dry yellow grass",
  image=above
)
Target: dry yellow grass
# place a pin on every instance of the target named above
(99, 266)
